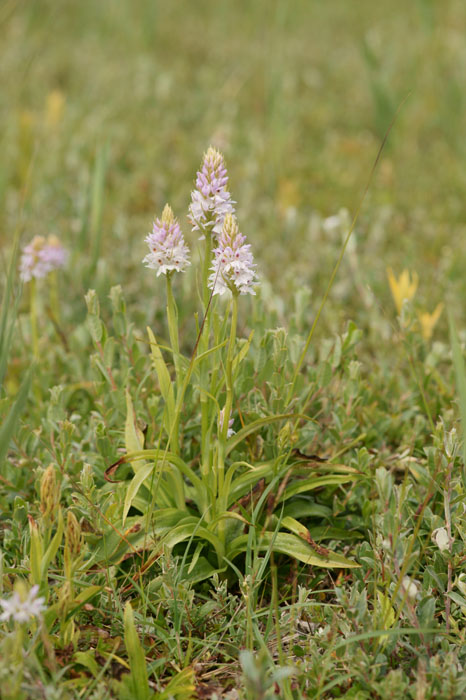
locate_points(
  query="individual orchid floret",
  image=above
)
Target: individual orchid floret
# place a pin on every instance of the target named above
(233, 265)
(21, 607)
(41, 256)
(221, 418)
(168, 250)
(211, 200)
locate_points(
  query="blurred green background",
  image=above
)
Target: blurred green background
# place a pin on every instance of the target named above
(107, 107)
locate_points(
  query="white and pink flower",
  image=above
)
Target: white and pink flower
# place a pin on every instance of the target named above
(233, 264)
(168, 250)
(41, 256)
(211, 200)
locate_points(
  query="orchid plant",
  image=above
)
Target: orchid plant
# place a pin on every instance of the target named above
(42, 257)
(219, 503)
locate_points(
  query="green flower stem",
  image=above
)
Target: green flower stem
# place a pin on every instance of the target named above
(172, 316)
(229, 366)
(223, 437)
(33, 314)
(54, 303)
(203, 346)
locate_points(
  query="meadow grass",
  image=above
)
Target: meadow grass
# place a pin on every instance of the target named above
(318, 551)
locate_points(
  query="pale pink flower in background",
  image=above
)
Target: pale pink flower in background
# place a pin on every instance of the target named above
(233, 264)
(55, 254)
(41, 256)
(211, 200)
(168, 250)
(22, 608)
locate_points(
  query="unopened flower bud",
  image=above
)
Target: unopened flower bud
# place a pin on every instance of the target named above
(87, 477)
(450, 443)
(73, 538)
(49, 493)
(287, 436)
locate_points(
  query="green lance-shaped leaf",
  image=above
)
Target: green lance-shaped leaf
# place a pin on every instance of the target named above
(36, 551)
(135, 484)
(134, 438)
(118, 540)
(52, 549)
(165, 382)
(181, 686)
(245, 482)
(238, 437)
(293, 546)
(242, 353)
(186, 531)
(137, 661)
(314, 483)
(163, 459)
(316, 533)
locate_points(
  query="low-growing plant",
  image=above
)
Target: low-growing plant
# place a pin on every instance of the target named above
(200, 488)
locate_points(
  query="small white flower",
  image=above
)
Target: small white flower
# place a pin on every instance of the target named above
(331, 223)
(441, 539)
(22, 607)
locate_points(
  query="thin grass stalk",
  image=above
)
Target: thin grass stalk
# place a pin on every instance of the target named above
(33, 318)
(53, 292)
(446, 502)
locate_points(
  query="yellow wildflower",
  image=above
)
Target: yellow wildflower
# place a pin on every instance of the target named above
(402, 288)
(54, 108)
(428, 321)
